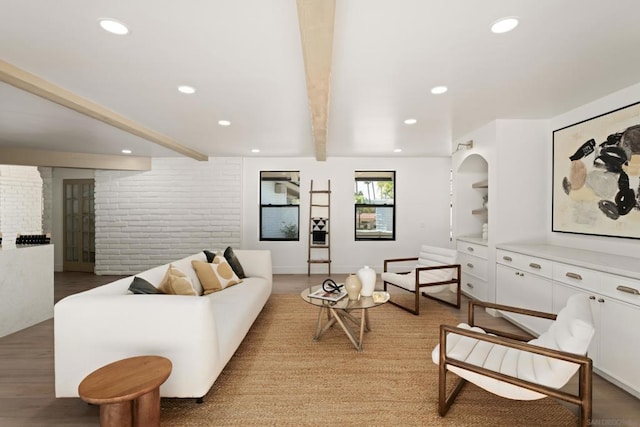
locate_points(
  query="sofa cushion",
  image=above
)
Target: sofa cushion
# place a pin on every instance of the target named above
(175, 282)
(234, 262)
(210, 255)
(215, 276)
(208, 273)
(140, 286)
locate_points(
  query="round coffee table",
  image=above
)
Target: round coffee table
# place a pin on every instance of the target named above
(128, 391)
(340, 312)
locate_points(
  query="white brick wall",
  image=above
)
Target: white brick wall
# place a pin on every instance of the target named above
(180, 207)
(47, 198)
(20, 201)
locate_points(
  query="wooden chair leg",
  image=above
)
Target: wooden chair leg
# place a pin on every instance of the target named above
(585, 390)
(412, 311)
(445, 401)
(403, 307)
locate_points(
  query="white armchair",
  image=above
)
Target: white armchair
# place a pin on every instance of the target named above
(504, 365)
(435, 270)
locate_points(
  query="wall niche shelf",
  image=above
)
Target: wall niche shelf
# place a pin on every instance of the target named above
(481, 211)
(471, 189)
(481, 184)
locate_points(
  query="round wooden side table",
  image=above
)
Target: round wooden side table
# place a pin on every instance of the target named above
(128, 391)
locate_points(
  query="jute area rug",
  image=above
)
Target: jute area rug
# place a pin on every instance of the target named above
(280, 377)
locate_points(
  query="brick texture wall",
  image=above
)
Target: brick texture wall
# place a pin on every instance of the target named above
(180, 207)
(20, 201)
(47, 198)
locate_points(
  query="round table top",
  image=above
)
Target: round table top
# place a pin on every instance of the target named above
(125, 379)
(378, 298)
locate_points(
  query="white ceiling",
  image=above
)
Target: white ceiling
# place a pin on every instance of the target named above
(244, 57)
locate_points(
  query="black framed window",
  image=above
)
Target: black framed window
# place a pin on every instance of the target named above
(375, 208)
(279, 205)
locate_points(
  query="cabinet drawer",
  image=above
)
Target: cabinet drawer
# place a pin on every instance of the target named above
(620, 287)
(473, 286)
(473, 265)
(575, 276)
(472, 249)
(540, 266)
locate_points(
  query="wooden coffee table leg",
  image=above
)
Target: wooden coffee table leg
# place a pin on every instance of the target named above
(116, 414)
(146, 409)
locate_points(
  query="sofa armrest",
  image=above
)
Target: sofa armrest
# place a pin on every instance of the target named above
(256, 263)
(93, 330)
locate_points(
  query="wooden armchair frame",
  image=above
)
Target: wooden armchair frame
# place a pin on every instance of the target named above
(583, 397)
(418, 284)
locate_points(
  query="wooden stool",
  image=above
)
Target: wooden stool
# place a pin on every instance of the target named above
(128, 391)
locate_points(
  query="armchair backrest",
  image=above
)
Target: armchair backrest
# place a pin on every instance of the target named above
(572, 332)
(431, 256)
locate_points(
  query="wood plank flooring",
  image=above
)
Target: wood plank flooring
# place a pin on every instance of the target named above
(27, 370)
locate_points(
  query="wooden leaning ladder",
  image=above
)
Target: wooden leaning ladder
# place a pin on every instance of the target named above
(319, 209)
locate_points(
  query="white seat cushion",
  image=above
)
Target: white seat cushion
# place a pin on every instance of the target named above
(408, 281)
(571, 332)
(430, 256)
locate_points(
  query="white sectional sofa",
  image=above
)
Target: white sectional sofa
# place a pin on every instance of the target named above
(199, 334)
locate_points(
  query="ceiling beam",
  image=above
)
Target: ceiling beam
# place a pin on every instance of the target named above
(63, 159)
(37, 86)
(316, 18)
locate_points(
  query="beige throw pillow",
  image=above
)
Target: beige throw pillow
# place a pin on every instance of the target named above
(175, 282)
(215, 276)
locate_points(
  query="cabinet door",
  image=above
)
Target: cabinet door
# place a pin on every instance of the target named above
(561, 294)
(537, 294)
(523, 289)
(620, 341)
(508, 285)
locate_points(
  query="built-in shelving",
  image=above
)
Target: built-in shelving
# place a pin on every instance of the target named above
(471, 188)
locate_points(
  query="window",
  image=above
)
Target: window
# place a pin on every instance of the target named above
(279, 205)
(375, 212)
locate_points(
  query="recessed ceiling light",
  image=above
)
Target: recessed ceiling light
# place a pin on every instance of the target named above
(437, 90)
(113, 26)
(397, 150)
(410, 122)
(504, 25)
(255, 150)
(187, 89)
(224, 122)
(125, 151)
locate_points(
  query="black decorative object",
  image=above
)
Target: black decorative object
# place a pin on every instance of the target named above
(330, 286)
(319, 230)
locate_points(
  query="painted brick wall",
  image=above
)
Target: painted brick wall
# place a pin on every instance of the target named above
(20, 201)
(47, 198)
(180, 207)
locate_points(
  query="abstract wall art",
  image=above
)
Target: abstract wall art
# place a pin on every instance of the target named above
(596, 174)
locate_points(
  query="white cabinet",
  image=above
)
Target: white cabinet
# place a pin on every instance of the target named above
(620, 341)
(524, 281)
(558, 273)
(472, 257)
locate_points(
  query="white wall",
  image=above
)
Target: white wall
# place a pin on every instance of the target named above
(614, 245)
(180, 207)
(422, 210)
(516, 155)
(20, 201)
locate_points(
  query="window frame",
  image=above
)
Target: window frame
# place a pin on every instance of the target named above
(263, 178)
(357, 206)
